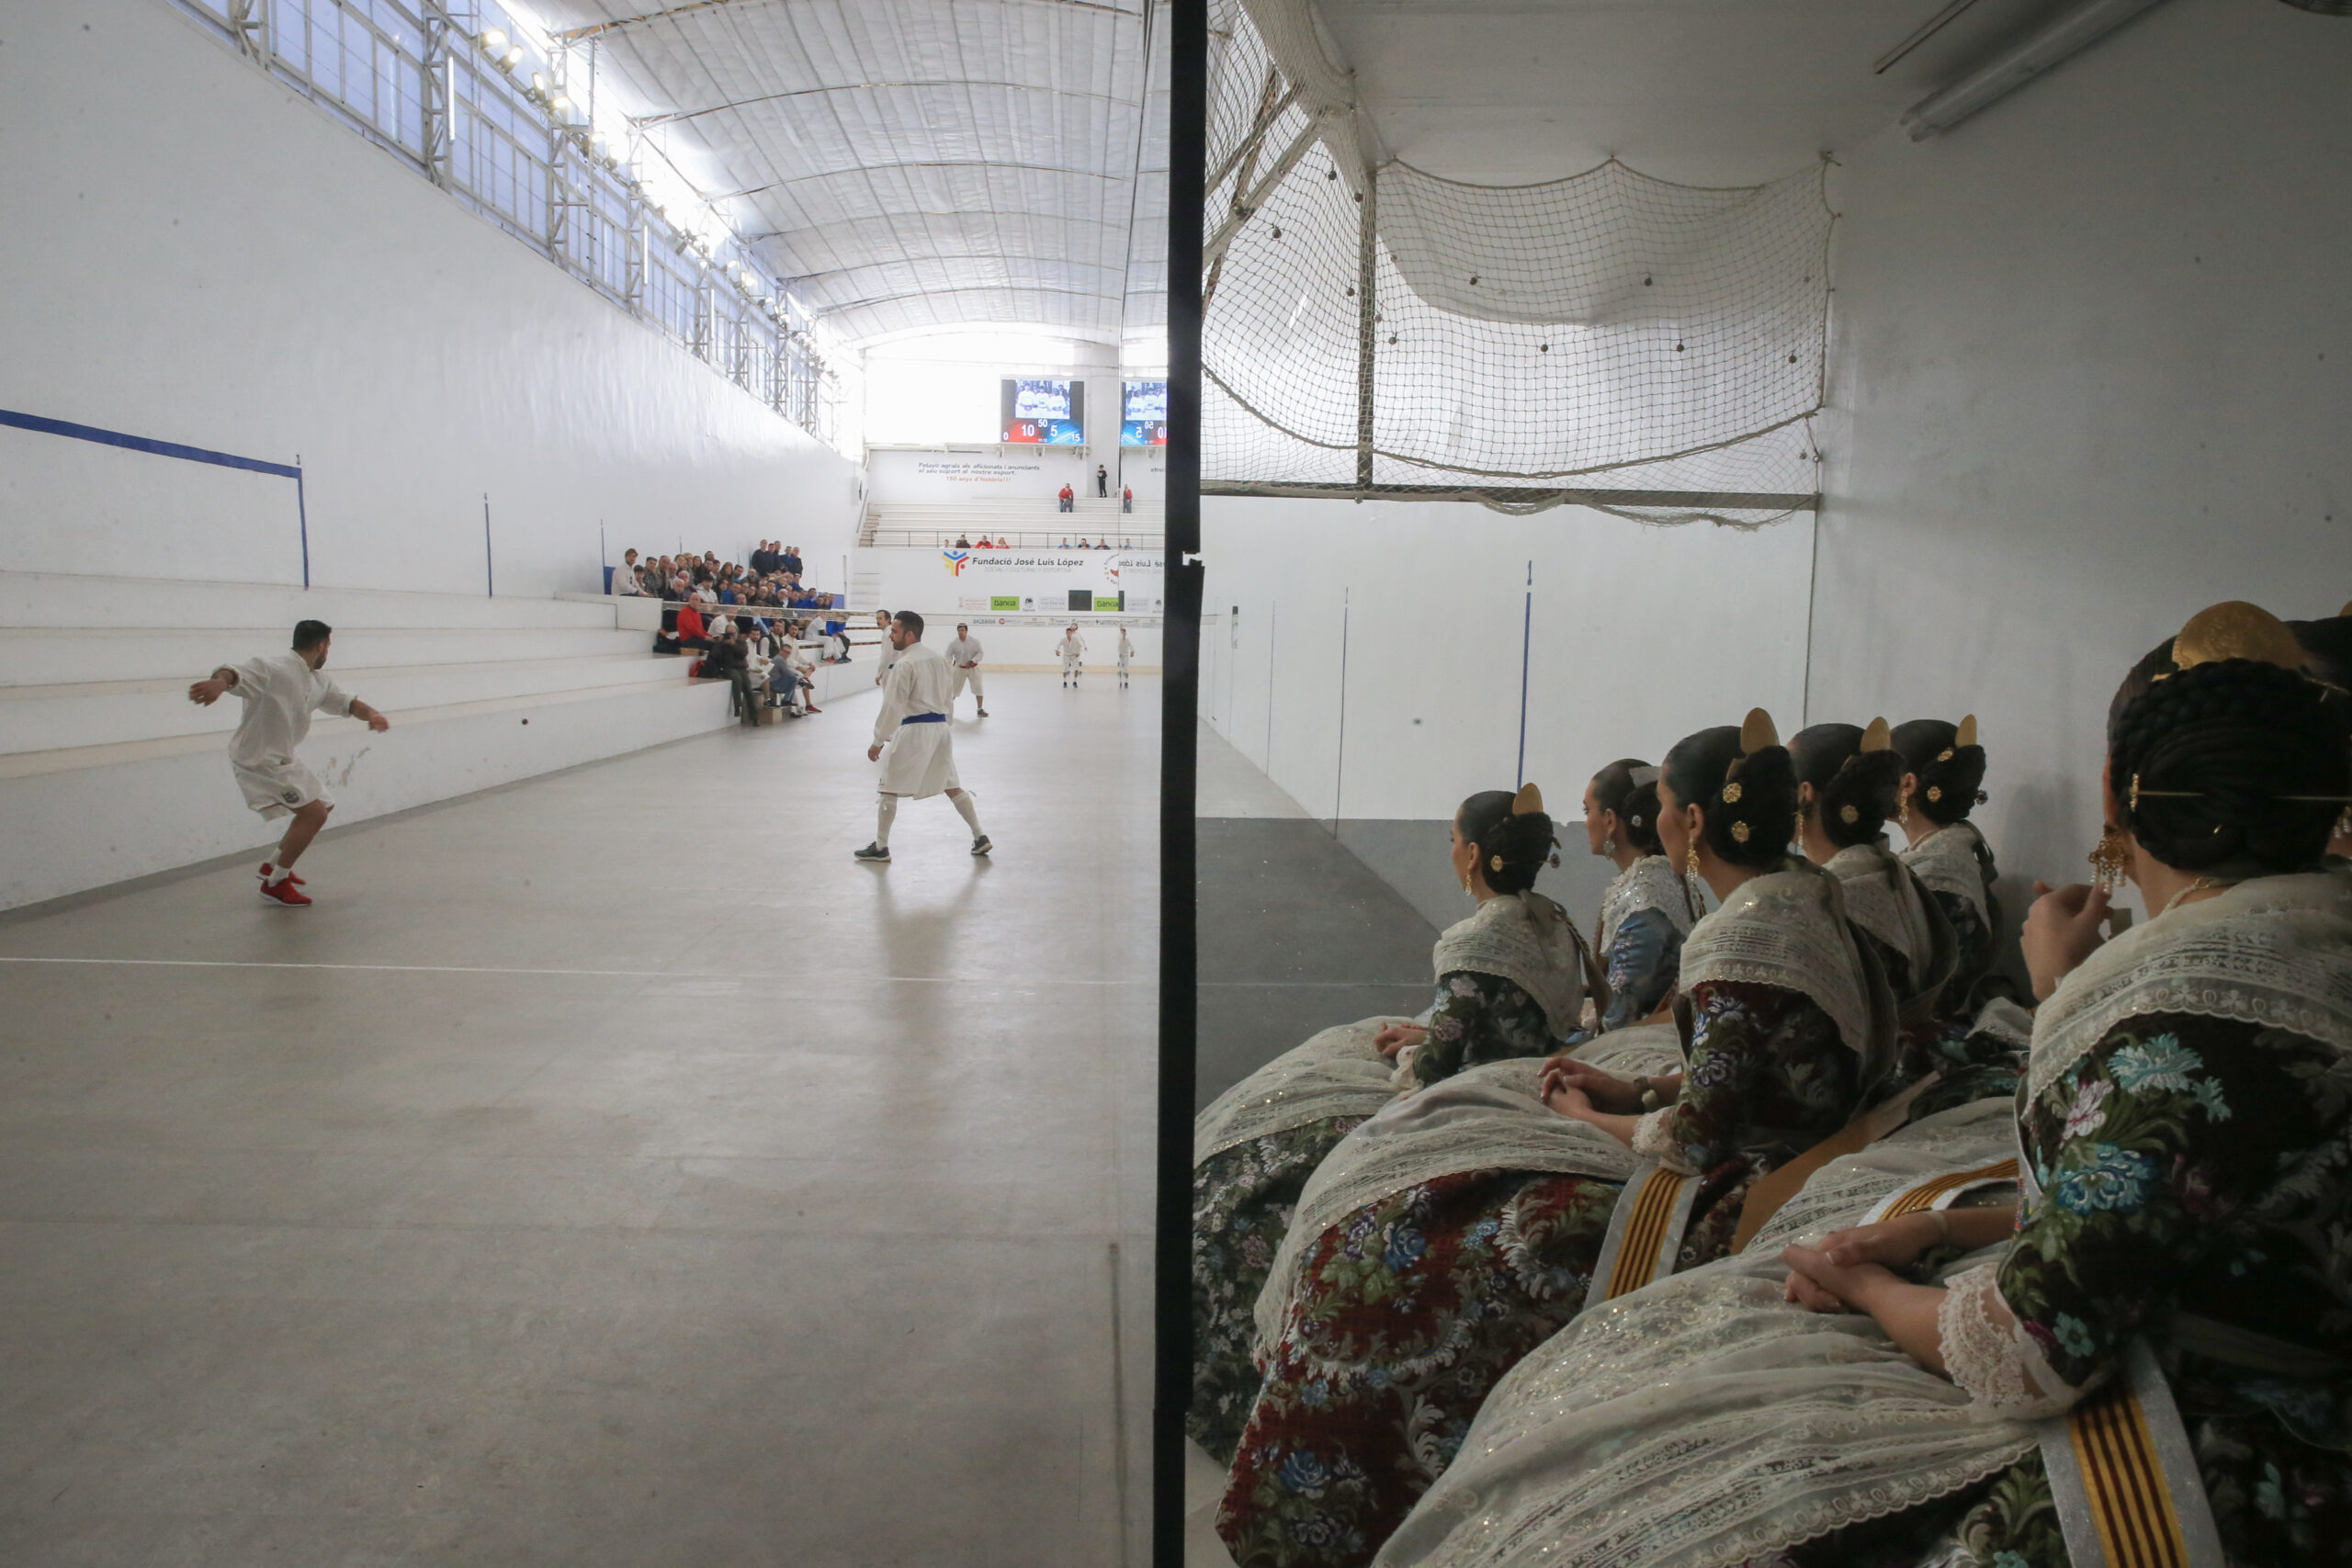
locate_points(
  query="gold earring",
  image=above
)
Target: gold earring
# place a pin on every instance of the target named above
(1691, 860)
(1609, 843)
(2110, 860)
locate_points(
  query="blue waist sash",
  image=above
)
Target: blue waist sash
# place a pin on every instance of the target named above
(924, 718)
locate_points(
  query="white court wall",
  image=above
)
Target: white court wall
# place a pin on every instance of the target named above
(192, 253)
(2092, 371)
(1369, 658)
(945, 476)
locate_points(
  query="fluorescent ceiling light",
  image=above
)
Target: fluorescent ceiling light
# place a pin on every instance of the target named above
(2060, 40)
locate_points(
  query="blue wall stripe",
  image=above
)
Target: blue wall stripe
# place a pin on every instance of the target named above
(34, 422)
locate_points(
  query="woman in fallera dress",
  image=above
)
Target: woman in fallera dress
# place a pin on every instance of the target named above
(1511, 980)
(1397, 1318)
(2162, 1319)
(1649, 907)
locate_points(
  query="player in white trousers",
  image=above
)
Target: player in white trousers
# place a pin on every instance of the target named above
(1126, 652)
(964, 658)
(280, 693)
(889, 648)
(914, 724)
(1072, 647)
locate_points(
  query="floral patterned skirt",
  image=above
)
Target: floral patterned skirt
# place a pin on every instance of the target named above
(2277, 1503)
(1242, 1201)
(1403, 1319)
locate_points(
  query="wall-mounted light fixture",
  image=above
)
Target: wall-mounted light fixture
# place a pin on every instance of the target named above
(2060, 40)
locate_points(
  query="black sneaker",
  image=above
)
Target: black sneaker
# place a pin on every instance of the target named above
(872, 851)
(981, 846)
(984, 713)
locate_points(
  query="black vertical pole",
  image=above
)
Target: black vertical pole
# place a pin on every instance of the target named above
(1526, 646)
(489, 563)
(1179, 699)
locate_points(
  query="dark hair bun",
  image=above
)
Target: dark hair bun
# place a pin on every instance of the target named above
(1749, 803)
(1854, 791)
(1754, 815)
(1951, 776)
(1635, 804)
(2203, 759)
(1521, 842)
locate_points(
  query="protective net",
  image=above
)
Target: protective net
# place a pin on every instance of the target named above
(1606, 340)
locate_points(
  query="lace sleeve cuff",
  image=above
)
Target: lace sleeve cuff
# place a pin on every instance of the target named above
(1653, 1139)
(1987, 1354)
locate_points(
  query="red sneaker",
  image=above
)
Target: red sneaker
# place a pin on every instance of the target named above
(267, 868)
(285, 892)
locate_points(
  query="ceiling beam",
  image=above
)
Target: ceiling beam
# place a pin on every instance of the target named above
(886, 168)
(674, 116)
(670, 13)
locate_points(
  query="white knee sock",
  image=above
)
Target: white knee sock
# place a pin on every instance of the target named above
(964, 808)
(882, 815)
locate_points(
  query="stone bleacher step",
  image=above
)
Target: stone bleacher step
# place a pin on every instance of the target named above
(64, 600)
(67, 714)
(49, 655)
(327, 733)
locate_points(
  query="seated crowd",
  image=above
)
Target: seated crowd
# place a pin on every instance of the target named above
(1785, 1221)
(754, 624)
(985, 543)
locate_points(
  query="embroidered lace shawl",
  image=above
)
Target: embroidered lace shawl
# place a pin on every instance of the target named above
(1529, 940)
(2269, 951)
(1945, 861)
(1650, 883)
(1483, 1118)
(1788, 928)
(1880, 899)
(1704, 1422)
(1336, 1073)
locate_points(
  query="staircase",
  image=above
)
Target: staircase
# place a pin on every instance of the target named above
(108, 772)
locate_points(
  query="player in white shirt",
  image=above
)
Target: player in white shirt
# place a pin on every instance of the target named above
(914, 724)
(1072, 647)
(280, 693)
(1126, 652)
(889, 648)
(964, 659)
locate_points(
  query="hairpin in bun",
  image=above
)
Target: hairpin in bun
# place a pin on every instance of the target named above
(1848, 814)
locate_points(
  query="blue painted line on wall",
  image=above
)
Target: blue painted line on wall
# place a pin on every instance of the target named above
(46, 426)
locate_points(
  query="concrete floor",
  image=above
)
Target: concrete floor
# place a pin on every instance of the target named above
(1295, 932)
(605, 1171)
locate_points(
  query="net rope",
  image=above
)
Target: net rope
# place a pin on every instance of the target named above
(1609, 339)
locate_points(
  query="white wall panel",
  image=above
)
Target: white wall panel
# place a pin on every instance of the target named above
(192, 253)
(2092, 371)
(1639, 636)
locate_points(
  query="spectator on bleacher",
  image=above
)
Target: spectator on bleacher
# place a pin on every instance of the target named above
(1126, 498)
(1101, 483)
(961, 543)
(791, 564)
(625, 581)
(984, 543)
(767, 559)
(788, 675)
(1068, 499)
(1065, 541)
(692, 631)
(728, 661)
